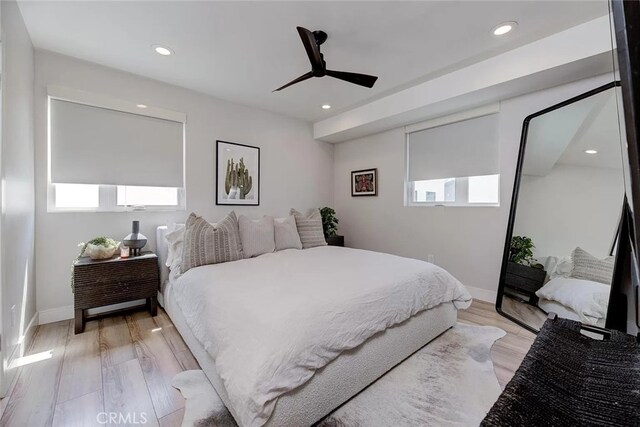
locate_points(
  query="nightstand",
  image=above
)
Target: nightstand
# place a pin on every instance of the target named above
(98, 283)
(335, 240)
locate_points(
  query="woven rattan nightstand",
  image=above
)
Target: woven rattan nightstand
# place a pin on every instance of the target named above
(113, 281)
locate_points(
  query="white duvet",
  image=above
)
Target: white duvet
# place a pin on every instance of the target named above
(270, 322)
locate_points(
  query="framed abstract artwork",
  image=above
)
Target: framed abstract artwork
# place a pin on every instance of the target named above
(237, 174)
(364, 182)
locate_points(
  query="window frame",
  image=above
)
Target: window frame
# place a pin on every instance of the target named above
(461, 196)
(108, 202)
(108, 193)
(462, 184)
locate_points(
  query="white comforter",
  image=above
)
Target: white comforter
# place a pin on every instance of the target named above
(270, 322)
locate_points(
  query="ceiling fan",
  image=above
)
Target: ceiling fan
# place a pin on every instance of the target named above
(312, 42)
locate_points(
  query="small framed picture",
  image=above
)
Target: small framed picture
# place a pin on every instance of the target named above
(237, 174)
(364, 182)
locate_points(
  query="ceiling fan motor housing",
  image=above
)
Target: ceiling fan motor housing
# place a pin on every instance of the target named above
(320, 37)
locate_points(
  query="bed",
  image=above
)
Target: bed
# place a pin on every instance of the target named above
(256, 348)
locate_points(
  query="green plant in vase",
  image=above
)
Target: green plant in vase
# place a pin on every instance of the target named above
(521, 251)
(329, 221)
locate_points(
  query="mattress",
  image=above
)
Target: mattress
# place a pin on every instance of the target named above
(342, 378)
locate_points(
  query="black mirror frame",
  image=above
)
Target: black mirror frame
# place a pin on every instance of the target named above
(516, 189)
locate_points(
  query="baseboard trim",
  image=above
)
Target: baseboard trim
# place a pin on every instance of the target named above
(56, 314)
(482, 294)
(18, 350)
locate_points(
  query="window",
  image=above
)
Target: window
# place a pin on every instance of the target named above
(128, 195)
(112, 157)
(435, 190)
(484, 189)
(468, 191)
(77, 196)
(453, 164)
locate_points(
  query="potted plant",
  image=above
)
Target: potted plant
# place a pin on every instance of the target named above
(521, 251)
(523, 268)
(330, 227)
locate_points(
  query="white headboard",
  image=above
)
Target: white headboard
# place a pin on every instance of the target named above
(162, 251)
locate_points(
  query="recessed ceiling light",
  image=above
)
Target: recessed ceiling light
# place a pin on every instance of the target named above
(591, 151)
(504, 28)
(326, 106)
(141, 106)
(162, 50)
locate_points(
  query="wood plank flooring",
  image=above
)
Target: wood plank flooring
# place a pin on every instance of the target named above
(125, 364)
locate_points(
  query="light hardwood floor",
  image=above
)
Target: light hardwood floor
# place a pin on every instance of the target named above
(124, 364)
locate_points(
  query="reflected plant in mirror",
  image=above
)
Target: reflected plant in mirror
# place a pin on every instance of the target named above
(565, 211)
(522, 250)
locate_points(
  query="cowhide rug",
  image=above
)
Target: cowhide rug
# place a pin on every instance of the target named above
(450, 382)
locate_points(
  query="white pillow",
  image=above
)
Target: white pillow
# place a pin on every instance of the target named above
(286, 234)
(257, 236)
(175, 239)
(587, 298)
(558, 266)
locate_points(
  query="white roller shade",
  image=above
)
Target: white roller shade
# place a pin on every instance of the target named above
(461, 149)
(92, 145)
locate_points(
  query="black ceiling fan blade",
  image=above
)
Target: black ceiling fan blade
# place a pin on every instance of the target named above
(359, 79)
(310, 45)
(298, 80)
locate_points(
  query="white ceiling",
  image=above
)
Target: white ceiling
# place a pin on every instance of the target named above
(241, 51)
(601, 133)
(561, 137)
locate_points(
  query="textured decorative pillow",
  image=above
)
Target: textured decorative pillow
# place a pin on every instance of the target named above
(286, 233)
(205, 243)
(257, 236)
(310, 228)
(588, 267)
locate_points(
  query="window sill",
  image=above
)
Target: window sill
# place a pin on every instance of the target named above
(451, 205)
(118, 210)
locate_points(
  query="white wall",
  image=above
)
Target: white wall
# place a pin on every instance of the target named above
(17, 221)
(571, 206)
(467, 241)
(296, 170)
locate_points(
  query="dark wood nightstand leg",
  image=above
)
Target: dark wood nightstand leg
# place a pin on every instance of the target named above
(152, 303)
(79, 321)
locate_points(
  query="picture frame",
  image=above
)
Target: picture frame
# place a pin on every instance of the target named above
(237, 167)
(364, 182)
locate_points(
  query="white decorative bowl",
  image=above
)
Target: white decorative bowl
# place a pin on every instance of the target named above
(99, 252)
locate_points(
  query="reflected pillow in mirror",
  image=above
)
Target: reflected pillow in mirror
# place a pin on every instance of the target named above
(558, 266)
(588, 267)
(587, 298)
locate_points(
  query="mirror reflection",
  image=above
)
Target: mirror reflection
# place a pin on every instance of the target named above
(566, 217)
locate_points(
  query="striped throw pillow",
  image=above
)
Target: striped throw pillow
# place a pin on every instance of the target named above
(205, 243)
(310, 228)
(588, 267)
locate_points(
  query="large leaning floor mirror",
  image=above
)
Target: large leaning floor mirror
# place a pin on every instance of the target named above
(566, 207)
